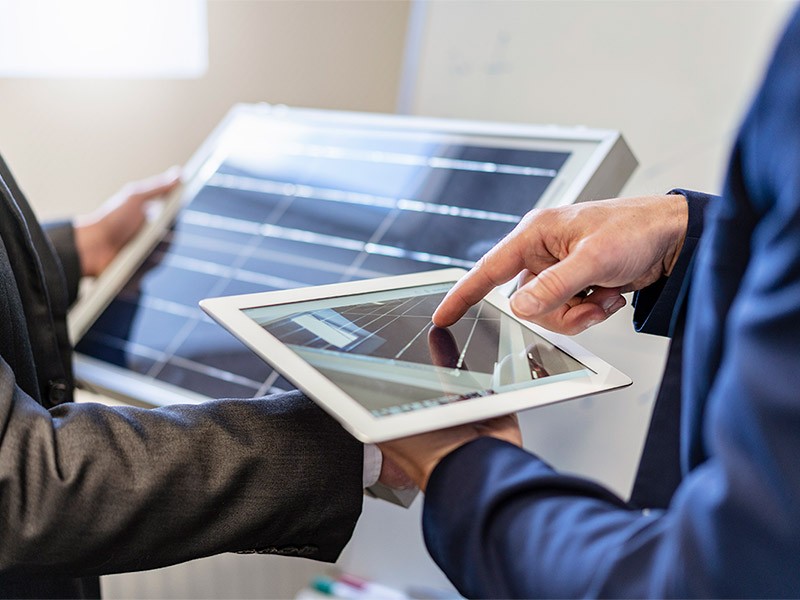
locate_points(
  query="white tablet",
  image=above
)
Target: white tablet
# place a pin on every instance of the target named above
(367, 353)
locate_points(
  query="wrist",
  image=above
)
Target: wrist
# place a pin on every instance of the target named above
(677, 223)
(422, 469)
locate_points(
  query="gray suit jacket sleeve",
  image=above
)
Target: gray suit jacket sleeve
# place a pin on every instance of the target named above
(89, 489)
(61, 235)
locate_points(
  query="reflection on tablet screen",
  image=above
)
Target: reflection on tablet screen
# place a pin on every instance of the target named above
(382, 349)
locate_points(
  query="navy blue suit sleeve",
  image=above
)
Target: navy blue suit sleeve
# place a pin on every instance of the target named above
(656, 307)
(502, 524)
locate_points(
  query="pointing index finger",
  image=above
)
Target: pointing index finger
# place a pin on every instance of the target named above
(494, 269)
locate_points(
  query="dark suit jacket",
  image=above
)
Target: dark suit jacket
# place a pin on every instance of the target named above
(501, 523)
(87, 489)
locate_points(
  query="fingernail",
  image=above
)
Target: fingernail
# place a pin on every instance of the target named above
(609, 302)
(613, 306)
(525, 304)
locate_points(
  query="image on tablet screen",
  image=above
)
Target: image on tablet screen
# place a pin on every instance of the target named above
(382, 349)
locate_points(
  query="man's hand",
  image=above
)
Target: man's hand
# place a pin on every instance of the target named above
(606, 248)
(418, 455)
(102, 234)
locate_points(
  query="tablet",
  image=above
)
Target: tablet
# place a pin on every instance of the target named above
(367, 352)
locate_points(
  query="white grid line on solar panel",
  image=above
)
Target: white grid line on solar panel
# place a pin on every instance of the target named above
(265, 186)
(214, 372)
(355, 267)
(390, 306)
(196, 241)
(469, 337)
(394, 305)
(166, 306)
(197, 265)
(379, 311)
(181, 310)
(162, 357)
(278, 390)
(427, 257)
(414, 339)
(267, 385)
(177, 341)
(122, 344)
(377, 331)
(190, 324)
(203, 219)
(413, 160)
(374, 308)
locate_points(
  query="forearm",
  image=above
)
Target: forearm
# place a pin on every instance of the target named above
(89, 489)
(501, 523)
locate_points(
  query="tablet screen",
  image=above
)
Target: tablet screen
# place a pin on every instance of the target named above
(382, 349)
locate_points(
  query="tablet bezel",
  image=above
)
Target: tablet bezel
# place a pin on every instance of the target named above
(228, 311)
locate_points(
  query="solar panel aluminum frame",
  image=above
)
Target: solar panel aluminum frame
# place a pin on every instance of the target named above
(599, 165)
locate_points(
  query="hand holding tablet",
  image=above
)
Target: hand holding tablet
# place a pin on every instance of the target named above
(367, 352)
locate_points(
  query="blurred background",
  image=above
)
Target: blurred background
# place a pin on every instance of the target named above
(72, 140)
(94, 93)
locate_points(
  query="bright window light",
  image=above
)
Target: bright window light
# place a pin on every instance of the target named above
(103, 38)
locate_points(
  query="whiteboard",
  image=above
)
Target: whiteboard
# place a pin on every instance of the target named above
(673, 77)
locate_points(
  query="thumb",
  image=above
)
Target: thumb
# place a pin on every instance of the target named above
(553, 287)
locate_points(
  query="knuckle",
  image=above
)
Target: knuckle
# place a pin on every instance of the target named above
(539, 218)
(597, 256)
(592, 252)
(529, 217)
(484, 270)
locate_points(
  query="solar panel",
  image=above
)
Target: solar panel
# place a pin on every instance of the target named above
(280, 198)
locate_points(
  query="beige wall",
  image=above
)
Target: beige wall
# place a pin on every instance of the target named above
(673, 76)
(71, 143)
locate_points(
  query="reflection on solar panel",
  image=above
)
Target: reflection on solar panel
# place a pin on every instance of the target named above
(307, 206)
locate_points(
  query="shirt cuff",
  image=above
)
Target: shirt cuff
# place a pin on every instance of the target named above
(373, 461)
